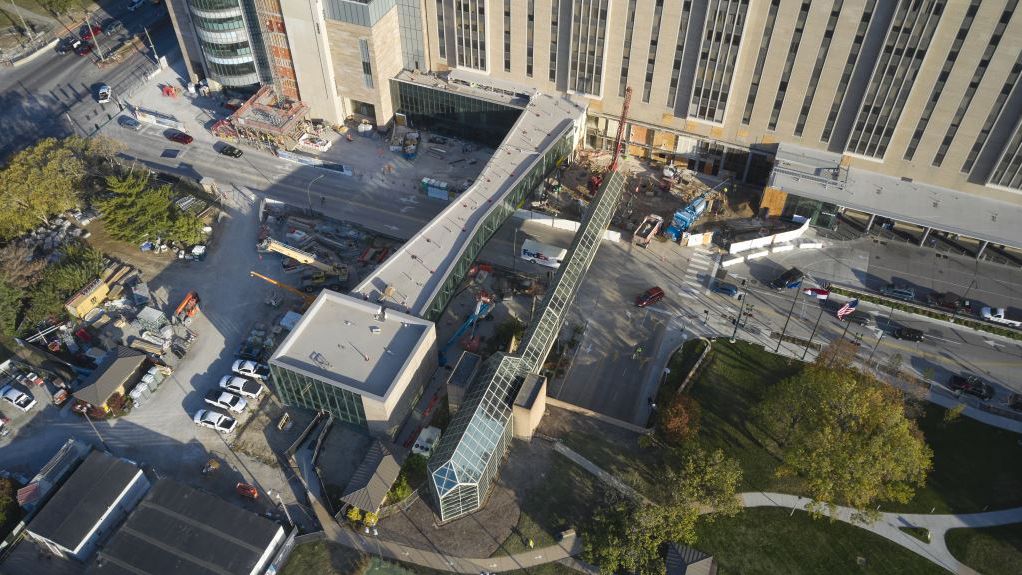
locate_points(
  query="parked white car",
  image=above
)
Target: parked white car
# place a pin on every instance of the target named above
(251, 369)
(17, 398)
(226, 400)
(214, 420)
(242, 386)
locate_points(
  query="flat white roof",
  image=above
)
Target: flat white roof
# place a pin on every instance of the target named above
(818, 175)
(419, 268)
(346, 342)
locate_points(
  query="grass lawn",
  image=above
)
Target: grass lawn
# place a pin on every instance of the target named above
(975, 465)
(325, 558)
(561, 501)
(991, 551)
(734, 380)
(766, 540)
(679, 364)
(618, 452)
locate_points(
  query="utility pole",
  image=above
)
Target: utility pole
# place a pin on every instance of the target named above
(23, 24)
(93, 425)
(156, 57)
(95, 41)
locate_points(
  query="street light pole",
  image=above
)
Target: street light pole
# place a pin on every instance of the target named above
(741, 310)
(156, 57)
(308, 190)
(883, 332)
(93, 425)
(95, 41)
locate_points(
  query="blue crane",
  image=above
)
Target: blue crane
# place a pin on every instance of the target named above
(481, 309)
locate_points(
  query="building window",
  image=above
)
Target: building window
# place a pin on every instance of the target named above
(654, 38)
(555, 8)
(679, 54)
(367, 66)
(219, 24)
(846, 74)
(507, 35)
(895, 72)
(722, 38)
(782, 86)
(440, 32)
(995, 113)
(470, 30)
(1008, 171)
(977, 78)
(588, 41)
(530, 39)
(821, 59)
(764, 46)
(938, 86)
(626, 50)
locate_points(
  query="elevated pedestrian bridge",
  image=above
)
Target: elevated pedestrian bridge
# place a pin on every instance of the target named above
(468, 456)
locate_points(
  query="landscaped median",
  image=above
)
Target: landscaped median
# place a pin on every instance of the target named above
(918, 309)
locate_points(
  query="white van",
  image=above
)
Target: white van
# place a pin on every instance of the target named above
(542, 254)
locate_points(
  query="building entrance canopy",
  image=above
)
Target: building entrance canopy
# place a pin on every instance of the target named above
(819, 175)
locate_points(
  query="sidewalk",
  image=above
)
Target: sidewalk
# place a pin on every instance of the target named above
(888, 525)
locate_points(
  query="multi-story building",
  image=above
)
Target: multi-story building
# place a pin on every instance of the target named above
(922, 92)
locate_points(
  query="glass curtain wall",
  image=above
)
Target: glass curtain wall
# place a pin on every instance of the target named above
(303, 391)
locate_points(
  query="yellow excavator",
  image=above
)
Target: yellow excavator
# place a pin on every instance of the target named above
(304, 257)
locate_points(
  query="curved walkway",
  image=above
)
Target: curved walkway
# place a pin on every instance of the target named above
(888, 524)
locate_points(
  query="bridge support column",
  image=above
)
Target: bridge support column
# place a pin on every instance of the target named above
(926, 234)
(982, 247)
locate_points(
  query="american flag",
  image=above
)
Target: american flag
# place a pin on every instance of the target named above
(847, 309)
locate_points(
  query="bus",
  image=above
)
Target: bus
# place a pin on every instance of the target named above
(542, 254)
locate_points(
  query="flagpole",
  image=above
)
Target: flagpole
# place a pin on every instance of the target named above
(810, 342)
(883, 332)
(784, 329)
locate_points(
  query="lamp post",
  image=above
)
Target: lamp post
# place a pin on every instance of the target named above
(308, 190)
(741, 310)
(881, 336)
(784, 329)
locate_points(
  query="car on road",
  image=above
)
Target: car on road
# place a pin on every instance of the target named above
(898, 292)
(226, 400)
(251, 369)
(947, 300)
(649, 297)
(135, 5)
(907, 333)
(103, 94)
(215, 420)
(788, 280)
(90, 32)
(68, 44)
(17, 398)
(130, 123)
(860, 318)
(179, 137)
(229, 150)
(84, 49)
(242, 386)
(972, 385)
(730, 290)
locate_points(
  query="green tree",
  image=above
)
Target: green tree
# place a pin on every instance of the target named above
(39, 182)
(625, 535)
(79, 266)
(135, 212)
(847, 435)
(12, 300)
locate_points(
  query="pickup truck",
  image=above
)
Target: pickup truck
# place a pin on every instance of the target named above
(1001, 316)
(947, 300)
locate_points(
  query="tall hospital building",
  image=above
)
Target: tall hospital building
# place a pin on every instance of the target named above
(909, 109)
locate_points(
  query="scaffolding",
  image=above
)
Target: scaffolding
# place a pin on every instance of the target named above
(268, 119)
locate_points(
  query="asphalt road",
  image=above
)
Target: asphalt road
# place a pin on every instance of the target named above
(54, 94)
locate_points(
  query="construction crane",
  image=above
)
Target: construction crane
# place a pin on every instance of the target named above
(597, 180)
(307, 299)
(621, 129)
(303, 257)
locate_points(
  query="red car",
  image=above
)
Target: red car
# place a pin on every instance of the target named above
(180, 137)
(89, 32)
(649, 297)
(84, 49)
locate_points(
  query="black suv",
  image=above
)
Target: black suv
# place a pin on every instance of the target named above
(972, 385)
(907, 334)
(231, 151)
